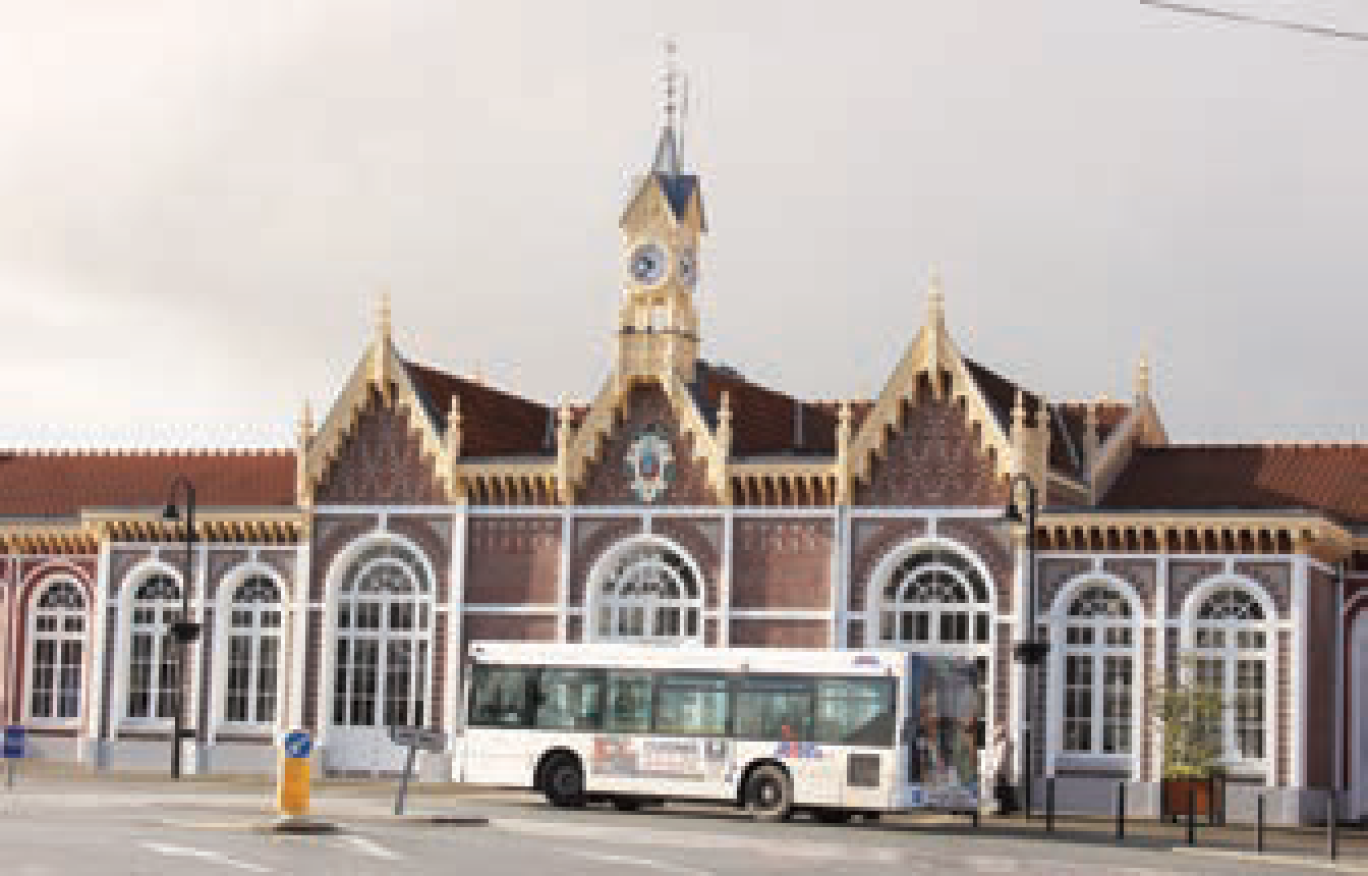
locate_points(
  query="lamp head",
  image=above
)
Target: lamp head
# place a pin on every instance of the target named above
(171, 514)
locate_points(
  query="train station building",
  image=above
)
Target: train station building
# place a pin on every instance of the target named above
(338, 582)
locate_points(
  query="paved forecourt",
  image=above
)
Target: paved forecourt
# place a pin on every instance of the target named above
(126, 828)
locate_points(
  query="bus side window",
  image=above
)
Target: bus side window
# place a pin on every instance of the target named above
(568, 699)
(855, 711)
(500, 696)
(628, 698)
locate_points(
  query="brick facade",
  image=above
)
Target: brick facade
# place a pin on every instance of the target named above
(607, 480)
(935, 459)
(782, 564)
(513, 561)
(381, 462)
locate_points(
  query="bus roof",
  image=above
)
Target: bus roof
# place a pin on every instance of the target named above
(779, 660)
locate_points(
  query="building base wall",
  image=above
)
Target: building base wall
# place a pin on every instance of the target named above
(1096, 797)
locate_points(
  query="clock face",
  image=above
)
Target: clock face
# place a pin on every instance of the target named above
(688, 268)
(648, 264)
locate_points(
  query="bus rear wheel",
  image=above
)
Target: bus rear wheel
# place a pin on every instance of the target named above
(563, 782)
(769, 794)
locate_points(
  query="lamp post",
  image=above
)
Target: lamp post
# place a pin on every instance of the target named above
(1028, 651)
(183, 631)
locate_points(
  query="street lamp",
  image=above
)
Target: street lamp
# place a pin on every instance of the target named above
(1028, 651)
(183, 631)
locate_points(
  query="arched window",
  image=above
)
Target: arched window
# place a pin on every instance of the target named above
(57, 636)
(651, 594)
(1099, 672)
(384, 631)
(153, 672)
(1229, 656)
(253, 652)
(934, 596)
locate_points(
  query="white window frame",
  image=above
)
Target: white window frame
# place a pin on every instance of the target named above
(421, 639)
(161, 641)
(1096, 653)
(226, 631)
(634, 555)
(1230, 655)
(58, 637)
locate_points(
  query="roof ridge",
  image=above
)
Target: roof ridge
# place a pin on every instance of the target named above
(1274, 444)
(473, 383)
(147, 452)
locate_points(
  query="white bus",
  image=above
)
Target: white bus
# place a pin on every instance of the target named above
(774, 731)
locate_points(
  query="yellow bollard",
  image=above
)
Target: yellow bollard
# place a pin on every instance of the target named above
(292, 777)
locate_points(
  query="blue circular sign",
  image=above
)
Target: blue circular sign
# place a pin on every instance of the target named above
(298, 744)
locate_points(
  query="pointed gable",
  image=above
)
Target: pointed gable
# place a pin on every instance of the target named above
(381, 460)
(608, 478)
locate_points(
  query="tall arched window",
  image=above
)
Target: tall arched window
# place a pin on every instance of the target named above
(935, 596)
(651, 594)
(153, 672)
(1230, 656)
(253, 652)
(1099, 672)
(384, 630)
(57, 634)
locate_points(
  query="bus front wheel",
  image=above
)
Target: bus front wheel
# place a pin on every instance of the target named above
(563, 782)
(769, 794)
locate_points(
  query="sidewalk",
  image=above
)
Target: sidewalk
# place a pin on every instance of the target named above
(232, 802)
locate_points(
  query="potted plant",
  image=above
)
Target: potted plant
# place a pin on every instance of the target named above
(1188, 716)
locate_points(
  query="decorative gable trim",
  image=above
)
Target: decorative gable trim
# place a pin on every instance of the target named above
(932, 352)
(580, 447)
(379, 370)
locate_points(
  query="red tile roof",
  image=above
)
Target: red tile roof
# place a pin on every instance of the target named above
(53, 483)
(1327, 477)
(493, 422)
(764, 420)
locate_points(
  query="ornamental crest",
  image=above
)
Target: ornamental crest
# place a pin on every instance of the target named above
(650, 463)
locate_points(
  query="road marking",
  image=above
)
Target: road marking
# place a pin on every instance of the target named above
(374, 849)
(634, 862)
(761, 845)
(204, 855)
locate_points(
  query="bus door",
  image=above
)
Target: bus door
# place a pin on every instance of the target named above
(856, 722)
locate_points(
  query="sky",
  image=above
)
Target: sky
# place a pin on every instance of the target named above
(200, 202)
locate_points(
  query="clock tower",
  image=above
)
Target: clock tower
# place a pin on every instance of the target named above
(661, 228)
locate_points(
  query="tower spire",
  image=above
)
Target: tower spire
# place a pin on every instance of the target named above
(667, 149)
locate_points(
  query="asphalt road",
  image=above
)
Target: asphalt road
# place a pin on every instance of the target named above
(94, 830)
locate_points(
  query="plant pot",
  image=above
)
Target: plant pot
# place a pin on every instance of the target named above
(1180, 793)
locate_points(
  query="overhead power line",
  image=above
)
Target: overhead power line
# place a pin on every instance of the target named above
(1244, 18)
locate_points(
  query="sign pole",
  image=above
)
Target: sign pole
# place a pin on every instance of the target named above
(403, 783)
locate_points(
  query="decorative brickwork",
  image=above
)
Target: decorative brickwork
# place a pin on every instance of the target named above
(592, 537)
(1003, 667)
(781, 564)
(1319, 720)
(433, 537)
(607, 480)
(934, 460)
(1276, 579)
(1052, 573)
(855, 634)
(513, 561)
(329, 538)
(988, 540)
(870, 541)
(121, 563)
(1140, 574)
(1184, 575)
(221, 564)
(285, 564)
(703, 541)
(507, 628)
(313, 638)
(778, 633)
(381, 461)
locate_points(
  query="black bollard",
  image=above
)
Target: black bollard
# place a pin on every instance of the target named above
(976, 817)
(1049, 804)
(1120, 811)
(1332, 826)
(1192, 815)
(1259, 825)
